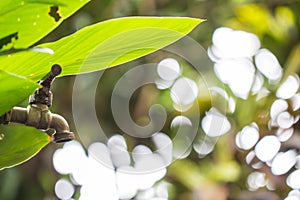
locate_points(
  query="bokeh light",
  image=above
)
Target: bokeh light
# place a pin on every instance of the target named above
(184, 91)
(267, 148)
(293, 195)
(229, 43)
(285, 120)
(164, 147)
(283, 162)
(258, 83)
(277, 107)
(293, 180)
(110, 171)
(241, 81)
(256, 180)
(247, 137)
(180, 120)
(284, 134)
(205, 146)
(215, 124)
(168, 69)
(288, 88)
(267, 63)
(64, 189)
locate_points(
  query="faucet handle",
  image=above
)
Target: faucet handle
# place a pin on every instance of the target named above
(55, 71)
(44, 95)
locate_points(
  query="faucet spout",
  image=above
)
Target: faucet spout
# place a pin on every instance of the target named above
(61, 126)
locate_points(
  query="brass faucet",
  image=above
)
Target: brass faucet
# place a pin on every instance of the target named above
(38, 115)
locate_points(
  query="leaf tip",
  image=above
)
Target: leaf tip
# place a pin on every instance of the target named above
(199, 20)
(50, 139)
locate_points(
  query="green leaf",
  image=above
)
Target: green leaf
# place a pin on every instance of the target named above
(19, 143)
(24, 22)
(102, 45)
(13, 90)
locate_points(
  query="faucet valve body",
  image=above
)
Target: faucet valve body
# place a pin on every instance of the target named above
(44, 95)
(38, 115)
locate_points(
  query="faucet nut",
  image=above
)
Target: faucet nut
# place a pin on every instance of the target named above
(63, 137)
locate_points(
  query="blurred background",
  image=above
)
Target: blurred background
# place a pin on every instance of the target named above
(220, 173)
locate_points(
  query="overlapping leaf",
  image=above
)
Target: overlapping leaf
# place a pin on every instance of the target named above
(102, 45)
(19, 143)
(13, 90)
(24, 22)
